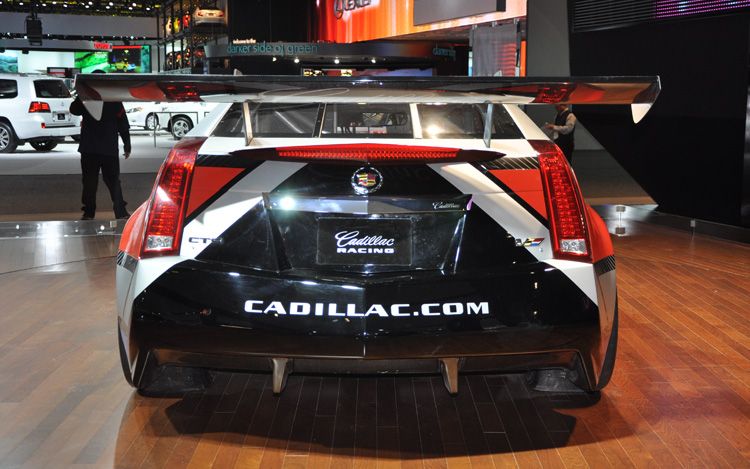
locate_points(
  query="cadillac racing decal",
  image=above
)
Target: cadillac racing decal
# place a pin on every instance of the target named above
(350, 242)
(398, 310)
(360, 241)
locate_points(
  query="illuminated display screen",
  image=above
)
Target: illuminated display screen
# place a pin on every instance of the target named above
(122, 59)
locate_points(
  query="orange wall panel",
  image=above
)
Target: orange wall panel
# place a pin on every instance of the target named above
(388, 18)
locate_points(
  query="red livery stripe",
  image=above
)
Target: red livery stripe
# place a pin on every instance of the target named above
(207, 181)
(132, 235)
(601, 242)
(526, 184)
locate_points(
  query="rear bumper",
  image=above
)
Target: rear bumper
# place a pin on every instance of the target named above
(195, 315)
(49, 133)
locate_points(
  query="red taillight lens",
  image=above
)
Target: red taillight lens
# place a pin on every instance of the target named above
(166, 212)
(380, 153)
(570, 237)
(368, 152)
(181, 92)
(38, 106)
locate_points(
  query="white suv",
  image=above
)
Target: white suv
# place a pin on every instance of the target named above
(35, 109)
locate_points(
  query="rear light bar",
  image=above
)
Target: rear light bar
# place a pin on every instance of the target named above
(370, 153)
(39, 106)
(166, 211)
(570, 237)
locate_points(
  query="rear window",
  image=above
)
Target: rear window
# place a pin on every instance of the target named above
(232, 124)
(465, 121)
(284, 120)
(51, 89)
(8, 89)
(270, 120)
(367, 121)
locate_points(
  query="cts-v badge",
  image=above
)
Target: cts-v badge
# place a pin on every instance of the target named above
(366, 180)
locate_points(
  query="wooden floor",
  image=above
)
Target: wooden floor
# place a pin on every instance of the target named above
(680, 395)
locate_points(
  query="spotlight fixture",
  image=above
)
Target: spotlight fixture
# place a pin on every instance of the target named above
(274, 59)
(336, 61)
(296, 60)
(373, 60)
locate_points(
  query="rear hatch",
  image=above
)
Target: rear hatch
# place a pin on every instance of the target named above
(315, 222)
(367, 198)
(56, 95)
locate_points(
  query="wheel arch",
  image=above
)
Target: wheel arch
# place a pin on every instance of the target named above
(5, 120)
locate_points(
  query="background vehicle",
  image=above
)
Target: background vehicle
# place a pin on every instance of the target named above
(208, 16)
(34, 109)
(390, 224)
(177, 118)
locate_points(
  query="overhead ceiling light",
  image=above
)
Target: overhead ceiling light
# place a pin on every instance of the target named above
(296, 60)
(336, 61)
(274, 59)
(373, 60)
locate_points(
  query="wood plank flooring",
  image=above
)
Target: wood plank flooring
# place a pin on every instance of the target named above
(680, 395)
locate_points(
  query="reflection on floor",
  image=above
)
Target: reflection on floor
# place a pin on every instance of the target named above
(24, 245)
(680, 395)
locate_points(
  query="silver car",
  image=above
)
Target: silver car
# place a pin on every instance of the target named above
(34, 109)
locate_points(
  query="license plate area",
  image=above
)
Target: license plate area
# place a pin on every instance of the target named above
(364, 241)
(60, 117)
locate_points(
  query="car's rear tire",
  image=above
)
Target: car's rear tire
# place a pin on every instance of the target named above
(181, 125)
(152, 121)
(44, 145)
(8, 142)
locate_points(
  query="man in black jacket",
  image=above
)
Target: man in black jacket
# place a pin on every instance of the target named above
(564, 130)
(99, 150)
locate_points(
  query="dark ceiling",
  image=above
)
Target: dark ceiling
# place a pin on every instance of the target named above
(85, 7)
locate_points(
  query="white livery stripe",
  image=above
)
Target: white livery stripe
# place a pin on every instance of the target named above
(233, 204)
(216, 219)
(516, 220)
(581, 273)
(466, 178)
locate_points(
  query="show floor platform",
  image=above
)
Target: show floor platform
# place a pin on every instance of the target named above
(679, 397)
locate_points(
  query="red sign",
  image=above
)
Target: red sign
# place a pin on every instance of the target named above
(102, 46)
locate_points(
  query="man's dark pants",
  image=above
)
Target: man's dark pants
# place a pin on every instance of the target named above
(110, 167)
(567, 149)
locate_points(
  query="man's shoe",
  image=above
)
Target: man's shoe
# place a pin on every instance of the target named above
(87, 217)
(124, 216)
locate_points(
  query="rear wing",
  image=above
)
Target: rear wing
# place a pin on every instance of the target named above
(639, 92)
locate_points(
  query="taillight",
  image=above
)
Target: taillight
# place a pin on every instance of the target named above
(166, 212)
(38, 106)
(567, 214)
(362, 153)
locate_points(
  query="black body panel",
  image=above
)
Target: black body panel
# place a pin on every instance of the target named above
(196, 309)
